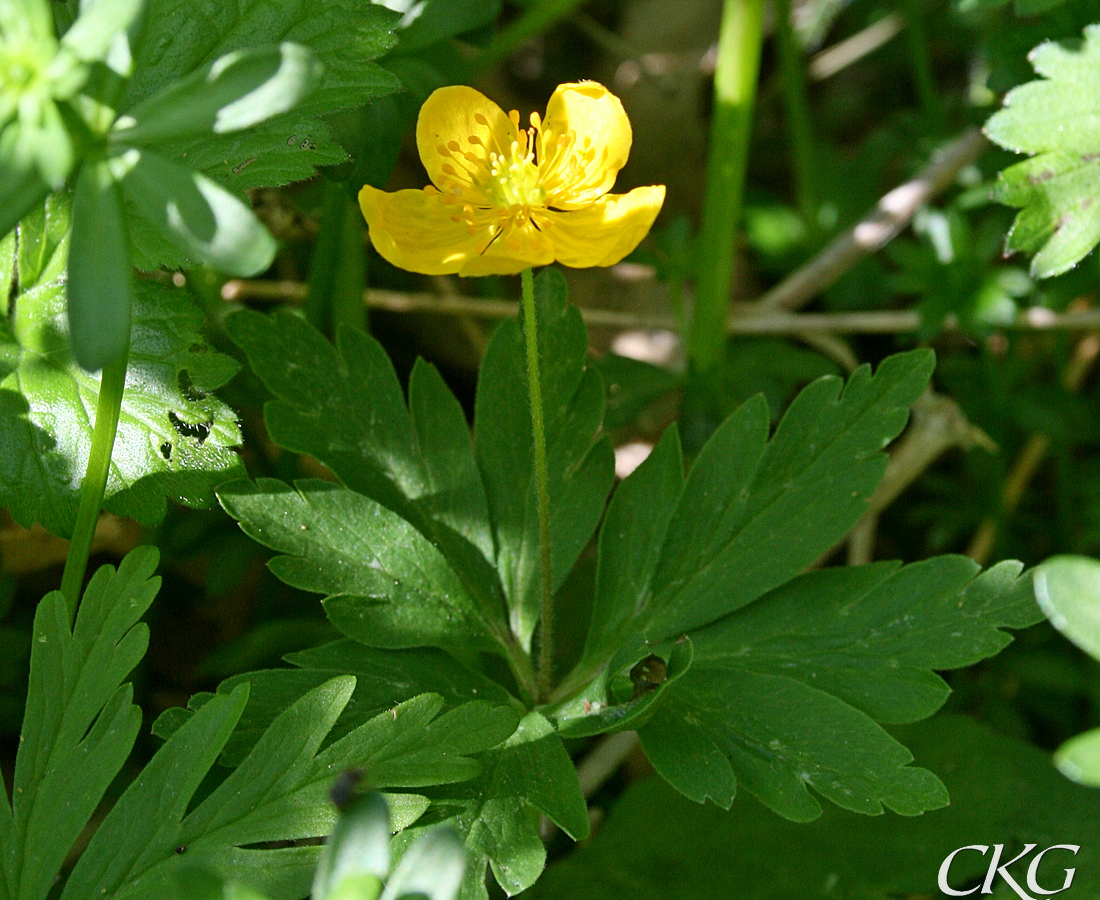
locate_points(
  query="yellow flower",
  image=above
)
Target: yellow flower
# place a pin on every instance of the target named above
(503, 198)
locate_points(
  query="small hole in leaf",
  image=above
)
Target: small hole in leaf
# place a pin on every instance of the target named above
(198, 430)
(166, 449)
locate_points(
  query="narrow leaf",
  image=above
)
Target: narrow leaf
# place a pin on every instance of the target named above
(99, 22)
(233, 92)
(100, 292)
(199, 215)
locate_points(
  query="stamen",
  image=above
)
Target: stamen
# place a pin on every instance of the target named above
(480, 119)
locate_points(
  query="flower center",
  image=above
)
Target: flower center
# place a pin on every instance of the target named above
(512, 177)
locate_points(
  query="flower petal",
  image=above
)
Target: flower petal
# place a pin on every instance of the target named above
(583, 142)
(517, 248)
(604, 232)
(414, 231)
(448, 120)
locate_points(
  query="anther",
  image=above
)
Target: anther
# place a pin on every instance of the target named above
(480, 119)
(513, 114)
(452, 146)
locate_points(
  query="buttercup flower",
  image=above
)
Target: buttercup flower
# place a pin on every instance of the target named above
(504, 199)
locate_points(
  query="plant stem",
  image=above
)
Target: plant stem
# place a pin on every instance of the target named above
(922, 65)
(111, 385)
(534, 391)
(739, 41)
(793, 78)
(337, 267)
(535, 19)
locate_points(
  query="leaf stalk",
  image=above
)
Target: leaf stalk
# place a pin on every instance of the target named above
(111, 386)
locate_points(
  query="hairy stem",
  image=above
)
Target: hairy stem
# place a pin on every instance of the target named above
(739, 40)
(112, 383)
(534, 391)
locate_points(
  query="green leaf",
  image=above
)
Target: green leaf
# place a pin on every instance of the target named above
(752, 514)
(493, 815)
(632, 385)
(181, 37)
(631, 538)
(357, 850)
(234, 92)
(194, 883)
(384, 678)
(581, 462)
(1056, 118)
(278, 793)
(784, 694)
(7, 267)
(79, 718)
(285, 149)
(44, 242)
(387, 585)
(343, 405)
(198, 215)
(100, 289)
(1068, 591)
(159, 798)
(174, 439)
(656, 845)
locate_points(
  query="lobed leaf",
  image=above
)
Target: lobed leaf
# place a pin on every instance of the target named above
(388, 586)
(384, 678)
(1057, 119)
(79, 718)
(493, 813)
(278, 793)
(783, 695)
(676, 554)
